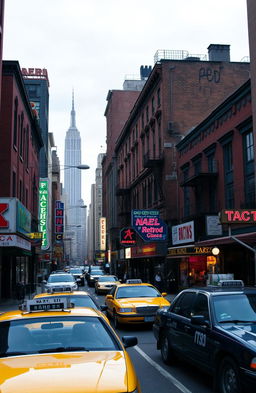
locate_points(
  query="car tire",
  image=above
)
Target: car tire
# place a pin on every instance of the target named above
(115, 320)
(228, 380)
(165, 348)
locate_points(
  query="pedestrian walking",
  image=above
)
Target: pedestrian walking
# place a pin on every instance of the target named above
(158, 281)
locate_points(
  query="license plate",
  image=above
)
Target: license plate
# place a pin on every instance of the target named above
(149, 319)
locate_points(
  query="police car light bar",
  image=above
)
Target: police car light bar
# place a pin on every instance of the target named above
(231, 283)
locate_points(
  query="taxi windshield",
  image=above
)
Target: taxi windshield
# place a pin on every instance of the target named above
(61, 278)
(235, 307)
(76, 271)
(97, 273)
(55, 334)
(137, 291)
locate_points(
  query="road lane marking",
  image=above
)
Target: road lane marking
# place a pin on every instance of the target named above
(167, 375)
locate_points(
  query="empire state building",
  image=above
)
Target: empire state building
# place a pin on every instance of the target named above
(75, 218)
(72, 176)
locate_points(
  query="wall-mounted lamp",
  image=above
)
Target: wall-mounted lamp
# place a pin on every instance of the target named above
(215, 251)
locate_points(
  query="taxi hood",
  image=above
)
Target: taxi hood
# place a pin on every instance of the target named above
(243, 331)
(64, 373)
(142, 301)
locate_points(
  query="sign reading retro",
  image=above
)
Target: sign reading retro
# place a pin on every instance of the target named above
(149, 225)
(43, 212)
(230, 216)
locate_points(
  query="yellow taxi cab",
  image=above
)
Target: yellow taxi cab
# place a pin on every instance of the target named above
(134, 302)
(48, 347)
(105, 283)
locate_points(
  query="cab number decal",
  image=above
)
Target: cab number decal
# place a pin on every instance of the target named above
(200, 339)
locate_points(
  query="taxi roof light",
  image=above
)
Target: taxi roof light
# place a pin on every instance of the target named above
(133, 281)
(231, 283)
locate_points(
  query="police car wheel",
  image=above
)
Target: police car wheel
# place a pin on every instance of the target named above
(165, 350)
(228, 376)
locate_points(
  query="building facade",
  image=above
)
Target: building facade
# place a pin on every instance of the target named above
(216, 175)
(19, 184)
(177, 95)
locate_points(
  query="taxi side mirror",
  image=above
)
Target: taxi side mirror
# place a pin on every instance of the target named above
(164, 294)
(103, 308)
(109, 297)
(129, 341)
(44, 282)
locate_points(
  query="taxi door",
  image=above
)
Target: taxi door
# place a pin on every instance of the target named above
(110, 302)
(199, 338)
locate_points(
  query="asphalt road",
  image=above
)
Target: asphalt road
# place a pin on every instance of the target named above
(153, 374)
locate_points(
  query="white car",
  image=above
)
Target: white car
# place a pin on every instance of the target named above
(60, 283)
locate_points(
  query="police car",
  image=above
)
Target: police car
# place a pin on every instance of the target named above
(48, 346)
(215, 329)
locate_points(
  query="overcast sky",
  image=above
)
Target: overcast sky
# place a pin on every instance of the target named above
(91, 45)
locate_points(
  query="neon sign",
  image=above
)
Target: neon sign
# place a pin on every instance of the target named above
(149, 225)
(238, 216)
(43, 212)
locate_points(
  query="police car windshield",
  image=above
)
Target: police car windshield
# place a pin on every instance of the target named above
(55, 334)
(61, 278)
(137, 291)
(235, 307)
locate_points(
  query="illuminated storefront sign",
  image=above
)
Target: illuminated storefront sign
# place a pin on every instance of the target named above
(149, 225)
(11, 240)
(183, 233)
(59, 220)
(103, 233)
(43, 212)
(237, 216)
(186, 251)
(127, 237)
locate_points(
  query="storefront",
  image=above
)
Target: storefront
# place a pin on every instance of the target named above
(190, 265)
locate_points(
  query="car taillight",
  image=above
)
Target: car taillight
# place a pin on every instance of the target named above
(253, 363)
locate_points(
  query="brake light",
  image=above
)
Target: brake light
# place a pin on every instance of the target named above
(253, 364)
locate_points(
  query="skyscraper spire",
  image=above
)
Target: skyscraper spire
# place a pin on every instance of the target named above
(73, 113)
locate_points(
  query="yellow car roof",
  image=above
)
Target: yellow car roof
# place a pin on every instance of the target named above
(136, 283)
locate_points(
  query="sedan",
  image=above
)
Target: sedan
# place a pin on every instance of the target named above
(60, 282)
(134, 303)
(214, 328)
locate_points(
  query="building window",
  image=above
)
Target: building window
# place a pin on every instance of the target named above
(14, 189)
(228, 175)
(142, 121)
(15, 122)
(249, 147)
(158, 97)
(153, 105)
(21, 135)
(186, 193)
(150, 193)
(147, 114)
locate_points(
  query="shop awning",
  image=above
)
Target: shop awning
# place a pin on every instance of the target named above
(249, 238)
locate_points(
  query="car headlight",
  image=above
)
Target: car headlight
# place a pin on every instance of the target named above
(165, 308)
(126, 309)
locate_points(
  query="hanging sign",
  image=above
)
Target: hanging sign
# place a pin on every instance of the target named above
(149, 225)
(43, 212)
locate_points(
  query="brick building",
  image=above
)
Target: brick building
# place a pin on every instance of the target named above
(216, 172)
(19, 156)
(177, 95)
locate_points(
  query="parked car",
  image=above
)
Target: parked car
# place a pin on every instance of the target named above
(60, 282)
(134, 303)
(61, 349)
(215, 329)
